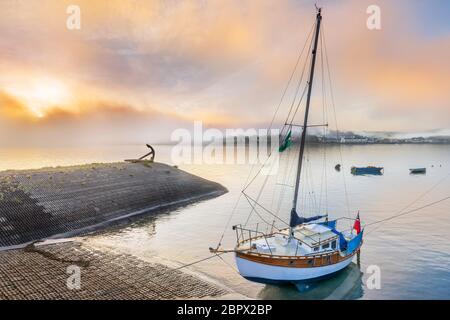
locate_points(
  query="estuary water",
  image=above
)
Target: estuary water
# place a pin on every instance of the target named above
(411, 252)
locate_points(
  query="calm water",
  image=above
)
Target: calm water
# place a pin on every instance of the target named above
(412, 252)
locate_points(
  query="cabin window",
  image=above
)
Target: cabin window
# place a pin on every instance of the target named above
(326, 246)
(333, 244)
(316, 248)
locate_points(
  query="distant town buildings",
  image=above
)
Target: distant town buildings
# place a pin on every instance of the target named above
(351, 138)
(344, 138)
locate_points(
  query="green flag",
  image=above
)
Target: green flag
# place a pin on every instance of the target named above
(286, 143)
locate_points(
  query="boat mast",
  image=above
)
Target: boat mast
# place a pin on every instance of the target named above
(308, 100)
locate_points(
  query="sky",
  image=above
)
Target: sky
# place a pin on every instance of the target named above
(137, 70)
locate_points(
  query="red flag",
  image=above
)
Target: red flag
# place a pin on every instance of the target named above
(357, 224)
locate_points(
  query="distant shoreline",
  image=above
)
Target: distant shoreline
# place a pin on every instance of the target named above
(384, 143)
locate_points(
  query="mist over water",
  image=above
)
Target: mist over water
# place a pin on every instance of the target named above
(413, 251)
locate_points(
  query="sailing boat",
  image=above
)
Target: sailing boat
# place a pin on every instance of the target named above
(307, 249)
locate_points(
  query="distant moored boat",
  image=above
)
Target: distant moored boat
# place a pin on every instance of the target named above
(367, 170)
(418, 170)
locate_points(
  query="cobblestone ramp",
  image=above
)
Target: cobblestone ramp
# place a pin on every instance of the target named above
(35, 204)
(41, 273)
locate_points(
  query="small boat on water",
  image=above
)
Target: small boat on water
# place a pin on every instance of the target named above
(367, 170)
(418, 170)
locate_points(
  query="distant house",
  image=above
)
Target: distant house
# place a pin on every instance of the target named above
(354, 139)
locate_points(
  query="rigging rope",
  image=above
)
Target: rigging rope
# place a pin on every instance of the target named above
(290, 79)
(259, 195)
(288, 173)
(262, 207)
(301, 76)
(232, 212)
(400, 213)
(408, 212)
(248, 182)
(347, 201)
(290, 122)
(273, 148)
(324, 179)
(283, 182)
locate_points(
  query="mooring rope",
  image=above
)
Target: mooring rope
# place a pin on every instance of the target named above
(201, 260)
(401, 212)
(408, 212)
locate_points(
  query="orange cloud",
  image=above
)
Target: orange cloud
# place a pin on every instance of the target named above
(223, 61)
(10, 108)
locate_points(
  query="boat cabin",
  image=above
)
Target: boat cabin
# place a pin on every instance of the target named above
(316, 238)
(308, 239)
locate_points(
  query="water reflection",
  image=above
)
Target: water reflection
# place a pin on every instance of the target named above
(134, 232)
(346, 284)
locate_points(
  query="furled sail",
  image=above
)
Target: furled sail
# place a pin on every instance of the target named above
(296, 219)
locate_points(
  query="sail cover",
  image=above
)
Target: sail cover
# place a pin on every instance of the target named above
(342, 242)
(330, 224)
(296, 219)
(355, 242)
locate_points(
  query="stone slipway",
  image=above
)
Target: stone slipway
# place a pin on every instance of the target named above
(42, 272)
(64, 201)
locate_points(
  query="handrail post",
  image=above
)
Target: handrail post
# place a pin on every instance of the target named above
(265, 238)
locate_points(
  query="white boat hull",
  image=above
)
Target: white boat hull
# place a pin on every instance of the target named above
(268, 273)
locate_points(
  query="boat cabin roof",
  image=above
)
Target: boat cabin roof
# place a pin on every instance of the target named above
(314, 234)
(310, 238)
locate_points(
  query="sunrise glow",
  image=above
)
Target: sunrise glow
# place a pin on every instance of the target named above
(225, 63)
(41, 94)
